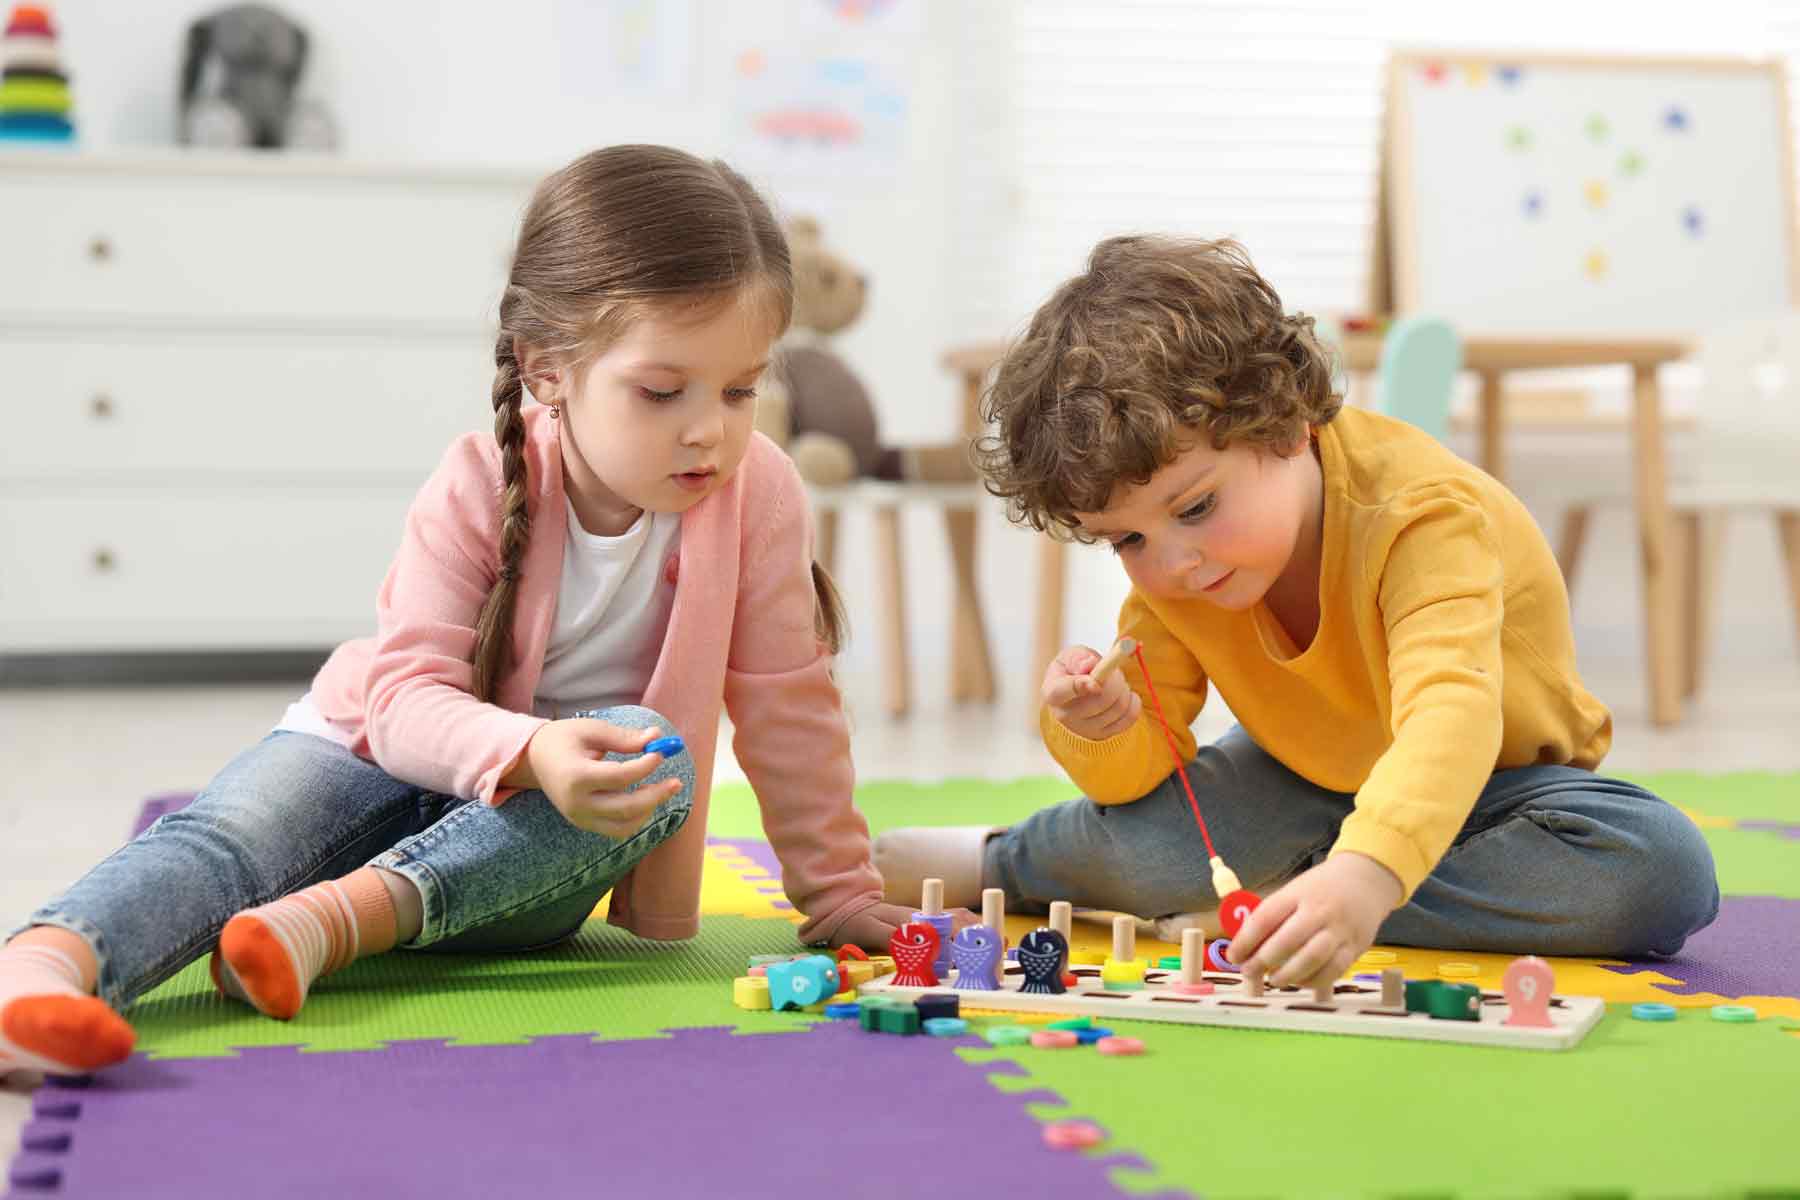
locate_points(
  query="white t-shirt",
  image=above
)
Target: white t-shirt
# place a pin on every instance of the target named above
(612, 614)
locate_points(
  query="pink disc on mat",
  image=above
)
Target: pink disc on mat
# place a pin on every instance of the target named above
(1073, 1135)
(1054, 1039)
(1119, 1045)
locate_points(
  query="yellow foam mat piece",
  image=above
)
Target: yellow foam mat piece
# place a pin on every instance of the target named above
(732, 884)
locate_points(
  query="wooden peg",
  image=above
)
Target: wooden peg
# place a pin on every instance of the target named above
(933, 899)
(1393, 988)
(1124, 939)
(993, 909)
(1122, 649)
(1193, 962)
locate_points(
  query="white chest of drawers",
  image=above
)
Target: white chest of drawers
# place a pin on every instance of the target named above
(223, 379)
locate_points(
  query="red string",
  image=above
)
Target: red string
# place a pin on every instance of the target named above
(1174, 753)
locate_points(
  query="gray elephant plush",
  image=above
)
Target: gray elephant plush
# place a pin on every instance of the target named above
(239, 80)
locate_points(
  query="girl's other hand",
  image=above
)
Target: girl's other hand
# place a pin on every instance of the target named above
(1309, 931)
(567, 759)
(1095, 711)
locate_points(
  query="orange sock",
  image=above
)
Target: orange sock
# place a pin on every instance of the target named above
(270, 955)
(48, 1020)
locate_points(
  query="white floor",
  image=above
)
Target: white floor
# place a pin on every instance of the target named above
(78, 763)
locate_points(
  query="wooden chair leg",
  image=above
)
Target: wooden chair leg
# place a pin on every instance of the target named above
(972, 663)
(1787, 521)
(891, 583)
(1693, 550)
(825, 538)
(1574, 536)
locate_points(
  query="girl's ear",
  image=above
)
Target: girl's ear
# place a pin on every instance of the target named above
(541, 374)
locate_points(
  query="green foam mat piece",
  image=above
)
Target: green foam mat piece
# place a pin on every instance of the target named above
(604, 982)
(1694, 1107)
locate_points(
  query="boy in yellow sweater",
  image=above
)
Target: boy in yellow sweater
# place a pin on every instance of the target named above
(1415, 752)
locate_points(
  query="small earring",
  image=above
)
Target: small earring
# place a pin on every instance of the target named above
(556, 412)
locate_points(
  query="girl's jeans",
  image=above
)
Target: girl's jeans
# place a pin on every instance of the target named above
(1553, 860)
(295, 809)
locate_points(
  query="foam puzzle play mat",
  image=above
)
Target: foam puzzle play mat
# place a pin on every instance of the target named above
(1034, 1055)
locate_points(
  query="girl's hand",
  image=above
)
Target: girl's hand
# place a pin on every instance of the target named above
(1310, 931)
(1095, 711)
(567, 760)
(874, 926)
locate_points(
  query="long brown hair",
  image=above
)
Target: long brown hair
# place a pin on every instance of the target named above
(615, 233)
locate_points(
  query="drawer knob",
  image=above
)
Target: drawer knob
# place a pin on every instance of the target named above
(104, 559)
(101, 406)
(100, 249)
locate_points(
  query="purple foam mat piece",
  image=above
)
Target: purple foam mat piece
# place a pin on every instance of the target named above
(1748, 951)
(703, 1112)
(160, 806)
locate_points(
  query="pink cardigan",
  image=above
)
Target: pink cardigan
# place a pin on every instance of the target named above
(740, 634)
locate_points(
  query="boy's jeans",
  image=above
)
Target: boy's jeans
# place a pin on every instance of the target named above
(295, 809)
(1553, 860)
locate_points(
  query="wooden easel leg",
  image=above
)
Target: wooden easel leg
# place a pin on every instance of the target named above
(972, 661)
(891, 583)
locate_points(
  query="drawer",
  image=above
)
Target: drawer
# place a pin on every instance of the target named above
(248, 407)
(199, 568)
(246, 247)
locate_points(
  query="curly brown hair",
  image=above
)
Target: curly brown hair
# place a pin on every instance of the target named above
(1162, 341)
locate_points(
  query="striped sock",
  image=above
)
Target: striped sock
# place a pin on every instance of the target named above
(48, 1020)
(269, 956)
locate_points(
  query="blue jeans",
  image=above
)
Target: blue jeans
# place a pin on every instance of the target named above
(1553, 860)
(295, 809)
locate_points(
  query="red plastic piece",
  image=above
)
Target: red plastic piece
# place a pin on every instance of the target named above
(1236, 908)
(851, 950)
(914, 948)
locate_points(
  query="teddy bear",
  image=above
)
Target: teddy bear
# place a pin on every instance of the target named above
(814, 406)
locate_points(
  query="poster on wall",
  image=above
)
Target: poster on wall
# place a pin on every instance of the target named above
(827, 90)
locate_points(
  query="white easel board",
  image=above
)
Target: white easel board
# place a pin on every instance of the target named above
(1356, 1009)
(1555, 196)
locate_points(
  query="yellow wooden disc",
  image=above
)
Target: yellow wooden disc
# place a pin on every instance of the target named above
(750, 991)
(1458, 970)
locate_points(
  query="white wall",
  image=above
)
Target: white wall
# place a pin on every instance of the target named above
(982, 211)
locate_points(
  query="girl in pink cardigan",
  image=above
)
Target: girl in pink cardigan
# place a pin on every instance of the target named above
(611, 567)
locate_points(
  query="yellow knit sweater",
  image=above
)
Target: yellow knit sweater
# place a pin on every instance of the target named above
(1443, 654)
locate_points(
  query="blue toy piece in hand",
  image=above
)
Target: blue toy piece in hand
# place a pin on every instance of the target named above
(668, 747)
(802, 982)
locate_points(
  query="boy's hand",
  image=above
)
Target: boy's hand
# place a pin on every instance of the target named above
(567, 760)
(1095, 711)
(874, 926)
(1310, 931)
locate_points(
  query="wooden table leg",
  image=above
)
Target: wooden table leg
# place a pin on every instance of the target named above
(891, 582)
(1662, 583)
(972, 660)
(1049, 636)
(1493, 425)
